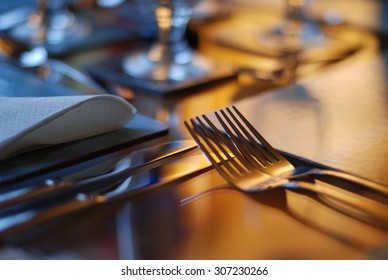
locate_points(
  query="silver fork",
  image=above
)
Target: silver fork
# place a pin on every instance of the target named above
(269, 160)
(237, 169)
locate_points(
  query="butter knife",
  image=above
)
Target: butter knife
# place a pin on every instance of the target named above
(137, 161)
(182, 169)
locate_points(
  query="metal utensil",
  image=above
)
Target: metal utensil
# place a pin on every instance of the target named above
(139, 183)
(241, 173)
(137, 161)
(269, 160)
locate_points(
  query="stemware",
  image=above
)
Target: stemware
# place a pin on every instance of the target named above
(52, 23)
(297, 30)
(170, 58)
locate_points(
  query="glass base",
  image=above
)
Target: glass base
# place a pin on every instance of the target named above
(294, 36)
(184, 66)
(63, 26)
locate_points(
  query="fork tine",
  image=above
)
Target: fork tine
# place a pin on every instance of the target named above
(240, 165)
(254, 145)
(199, 131)
(203, 147)
(243, 144)
(226, 164)
(242, 149)
(206, 135)
(265, 143)
(229, 144)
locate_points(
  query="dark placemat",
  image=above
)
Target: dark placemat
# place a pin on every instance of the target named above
(110, 71)
(92, 28)
(98, 36)
(254, 41)
(27, 165)
(249, 32)
(15, 82)
(18, 82)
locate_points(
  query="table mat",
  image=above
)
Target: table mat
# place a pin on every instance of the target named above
(18, 83)
(26, 165)
(248, 32)
(110, 71)
(92, 28)
(98, 36)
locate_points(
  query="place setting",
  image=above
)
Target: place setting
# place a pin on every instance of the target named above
(243, 157)
(63, 130)
(300, 158)
(167, 65)
(50, 137)
(56, 113)
(292, 37)
(320, 197)
(48, 104)
(299, 128)
(251, 164)
(31, 61)
(63, 27)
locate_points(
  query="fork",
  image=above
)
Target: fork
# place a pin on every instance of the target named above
(239, 171)
(269, 160)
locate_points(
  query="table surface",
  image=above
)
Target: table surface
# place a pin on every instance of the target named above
(223, 223)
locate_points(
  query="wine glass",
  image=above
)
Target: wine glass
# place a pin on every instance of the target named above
(50, 23)
(170, 58)
(297, 30)
(49, 26)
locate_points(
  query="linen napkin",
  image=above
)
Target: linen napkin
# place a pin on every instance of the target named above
(28, 123)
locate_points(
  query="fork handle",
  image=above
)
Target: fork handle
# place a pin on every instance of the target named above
(373, 209)
(355, 179)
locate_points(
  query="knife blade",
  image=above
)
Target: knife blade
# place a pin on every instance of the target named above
(136, 161)
(178, 171)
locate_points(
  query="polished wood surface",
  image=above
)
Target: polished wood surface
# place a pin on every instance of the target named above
(223, 223)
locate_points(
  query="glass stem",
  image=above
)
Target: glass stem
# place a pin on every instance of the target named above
(171, 32)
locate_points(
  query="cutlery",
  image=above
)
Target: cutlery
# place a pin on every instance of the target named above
(137, 161)
(147, 180)
(245, 175)
(270, 161)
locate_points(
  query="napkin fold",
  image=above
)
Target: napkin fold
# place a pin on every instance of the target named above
(28, 123)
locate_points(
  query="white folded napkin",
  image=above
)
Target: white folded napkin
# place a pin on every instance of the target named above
(28, 123)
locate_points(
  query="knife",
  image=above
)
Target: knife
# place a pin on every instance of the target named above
(177, 171)
(12, 201)
(180, 170)
(362, 207)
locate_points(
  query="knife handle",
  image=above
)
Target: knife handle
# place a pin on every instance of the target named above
(153, 156)
(18, 196)
(38, 217)
(29, 218)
